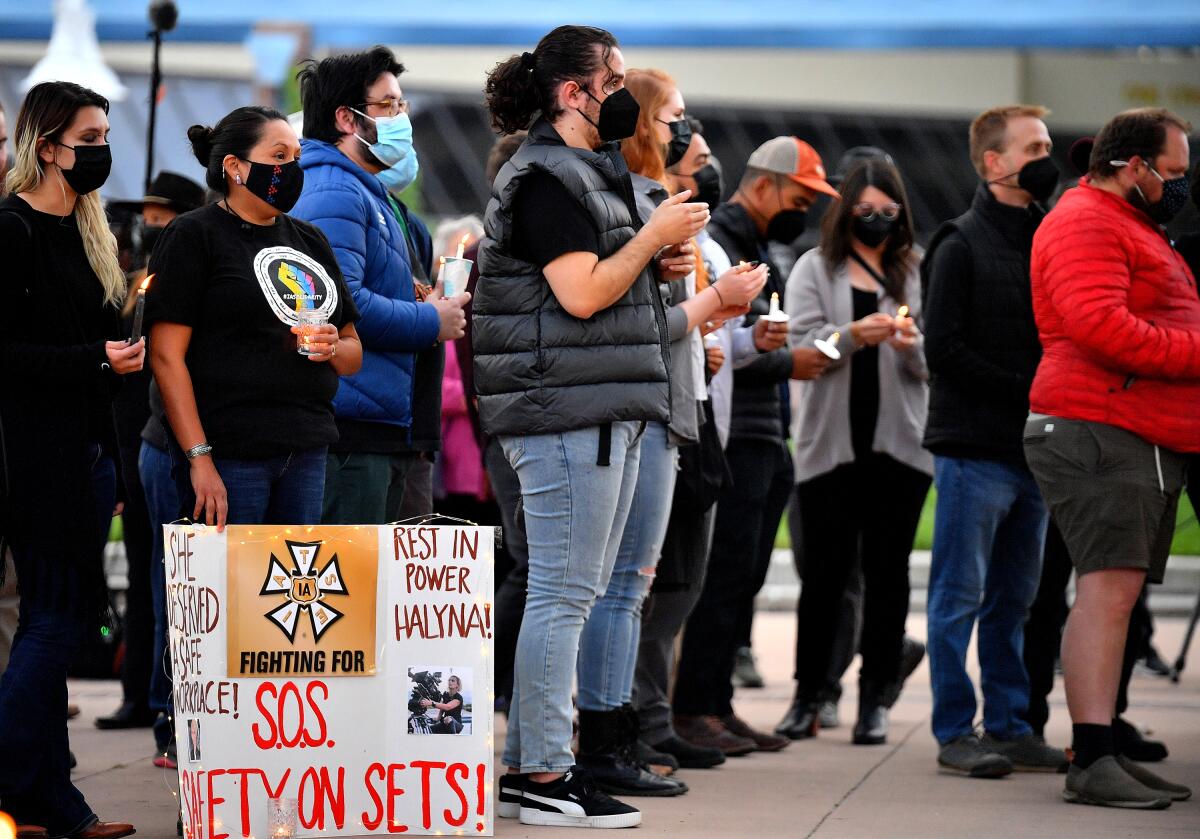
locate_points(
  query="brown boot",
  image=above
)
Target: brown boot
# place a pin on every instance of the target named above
(708, 732)
(31, 831)
(763, 741)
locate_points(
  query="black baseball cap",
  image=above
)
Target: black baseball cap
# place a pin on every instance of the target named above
(177, 192)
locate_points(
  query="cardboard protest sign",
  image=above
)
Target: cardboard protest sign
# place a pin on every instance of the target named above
(346, 671)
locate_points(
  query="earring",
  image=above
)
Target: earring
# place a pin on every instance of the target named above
(237, 179)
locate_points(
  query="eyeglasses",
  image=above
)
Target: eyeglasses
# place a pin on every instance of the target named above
(868, 212)
(393, 105)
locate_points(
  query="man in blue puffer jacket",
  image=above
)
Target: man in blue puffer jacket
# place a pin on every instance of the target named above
(356, 152)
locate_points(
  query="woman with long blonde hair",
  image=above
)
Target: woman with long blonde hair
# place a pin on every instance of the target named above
(60, 355)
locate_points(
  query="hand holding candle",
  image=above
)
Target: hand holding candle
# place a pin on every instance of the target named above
(139, 310)
(904, 335)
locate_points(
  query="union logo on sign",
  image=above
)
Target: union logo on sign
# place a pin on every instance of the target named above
(303, 590)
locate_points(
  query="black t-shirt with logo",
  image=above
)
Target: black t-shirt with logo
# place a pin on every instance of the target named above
(240, 287)
(448, 698)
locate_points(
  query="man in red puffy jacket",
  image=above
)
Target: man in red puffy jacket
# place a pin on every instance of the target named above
(1115, 404)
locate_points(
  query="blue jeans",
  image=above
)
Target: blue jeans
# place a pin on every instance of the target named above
(609, 643)
(35, 771)
(162, 505)
(287, 489)
(575, 514)
(988, 536)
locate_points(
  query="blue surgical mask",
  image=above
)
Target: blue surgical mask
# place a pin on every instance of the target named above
(400, 177)
(393, 138)
(393, 147)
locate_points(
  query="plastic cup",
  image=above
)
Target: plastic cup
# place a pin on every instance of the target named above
(309, 320)
(454, 275)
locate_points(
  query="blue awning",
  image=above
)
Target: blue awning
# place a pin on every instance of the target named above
(866, 24)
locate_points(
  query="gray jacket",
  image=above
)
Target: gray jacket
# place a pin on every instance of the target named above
(685, 409)
(819, 305)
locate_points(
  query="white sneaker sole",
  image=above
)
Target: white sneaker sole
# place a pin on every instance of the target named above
(508, 809)
(530, 815)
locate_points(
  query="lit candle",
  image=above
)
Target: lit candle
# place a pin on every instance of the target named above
(139, 310)
(462, 245)
(902, 312)
(775, 315)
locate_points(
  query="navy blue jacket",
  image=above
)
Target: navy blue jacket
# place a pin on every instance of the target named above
(350, 206)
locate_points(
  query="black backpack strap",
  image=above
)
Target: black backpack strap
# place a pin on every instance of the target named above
(604, 455)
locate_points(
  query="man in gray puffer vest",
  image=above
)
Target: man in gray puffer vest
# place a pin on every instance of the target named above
(571, 360)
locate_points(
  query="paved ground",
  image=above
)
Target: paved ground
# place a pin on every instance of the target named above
(823, 788)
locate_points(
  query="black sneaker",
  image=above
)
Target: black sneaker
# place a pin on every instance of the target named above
(511, 787)
(574, 801)
(745, 669)
(1153, 662)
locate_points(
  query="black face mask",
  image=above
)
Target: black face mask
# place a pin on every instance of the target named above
(618, 115)
(92, 165)
(277, 185)
(1173, 199)
(1039, 178)
(873, 233)
(150, 236)
(709, 187)
(681, 138)
(787, 226)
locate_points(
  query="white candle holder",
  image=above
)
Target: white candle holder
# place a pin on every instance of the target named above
(829, 347)
(775, 315)
(282, 818)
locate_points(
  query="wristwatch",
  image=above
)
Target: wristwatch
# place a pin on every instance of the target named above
(199, 451)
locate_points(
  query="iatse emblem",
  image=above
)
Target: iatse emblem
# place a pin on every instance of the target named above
(304, 590)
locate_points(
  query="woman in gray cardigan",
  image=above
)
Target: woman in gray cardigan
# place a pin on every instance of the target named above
(861, 472)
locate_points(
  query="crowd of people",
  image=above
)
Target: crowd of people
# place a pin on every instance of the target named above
(641, 377)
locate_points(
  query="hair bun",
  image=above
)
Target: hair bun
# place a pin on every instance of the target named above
(201, 138)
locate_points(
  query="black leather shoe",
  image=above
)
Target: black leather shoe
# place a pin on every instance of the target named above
(1130, 742)
(607, 752)
(128, 715)
(872, 726)
(690, 756)
(912, 652)
(802, 720)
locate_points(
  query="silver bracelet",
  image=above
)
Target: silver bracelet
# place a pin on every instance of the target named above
(199, 451)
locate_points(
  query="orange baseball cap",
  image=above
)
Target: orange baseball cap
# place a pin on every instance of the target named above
(795, 158)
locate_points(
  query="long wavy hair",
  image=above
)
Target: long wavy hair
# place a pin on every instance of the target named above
(644, 152)
(48, 110)
(837, 231)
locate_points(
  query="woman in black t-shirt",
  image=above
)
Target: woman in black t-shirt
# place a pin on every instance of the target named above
(252, 418)
(450, 720)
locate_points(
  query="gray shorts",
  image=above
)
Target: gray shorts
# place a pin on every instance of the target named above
(1112, 494)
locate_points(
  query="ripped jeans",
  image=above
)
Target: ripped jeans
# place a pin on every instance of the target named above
(609, 643)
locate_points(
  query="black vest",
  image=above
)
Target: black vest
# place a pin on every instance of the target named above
(539, 369)
(966, 421)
